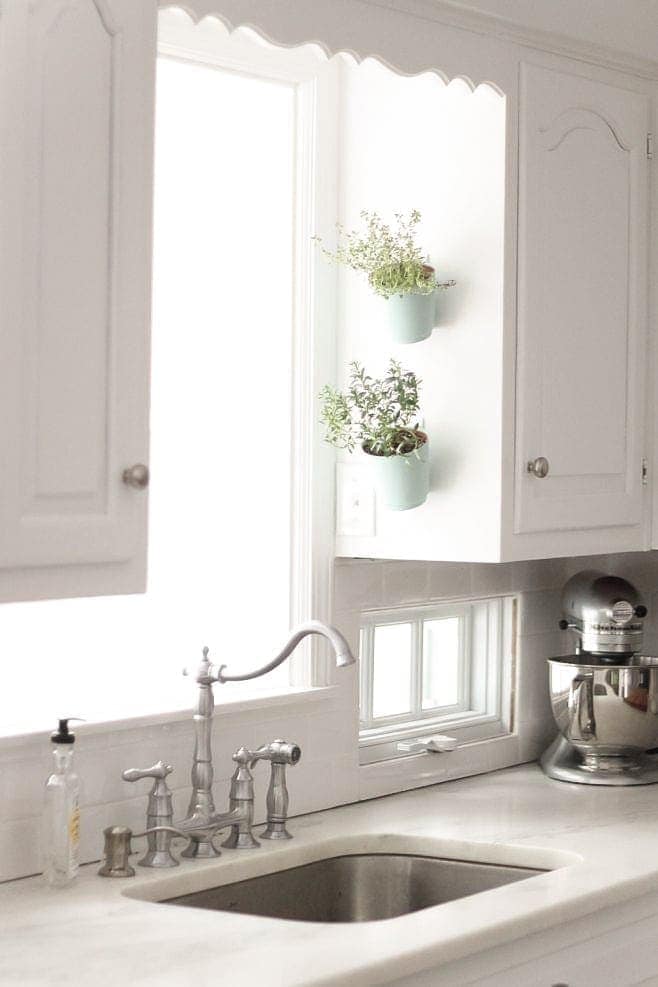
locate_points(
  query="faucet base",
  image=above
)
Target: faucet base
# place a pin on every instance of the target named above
(158, 858)
(240, 841)
(200, 849)
(276, 831)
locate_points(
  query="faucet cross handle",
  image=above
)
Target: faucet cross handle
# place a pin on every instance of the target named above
(159, 813)
(159, 770)
(206, 673)
(279, 753)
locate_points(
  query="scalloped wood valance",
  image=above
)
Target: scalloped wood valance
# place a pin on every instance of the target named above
(406, 41)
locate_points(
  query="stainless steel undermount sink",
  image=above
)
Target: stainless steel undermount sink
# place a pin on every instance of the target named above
(360, 887)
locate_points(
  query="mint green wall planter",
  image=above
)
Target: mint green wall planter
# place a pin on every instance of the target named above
(410, 317)
(403, 482)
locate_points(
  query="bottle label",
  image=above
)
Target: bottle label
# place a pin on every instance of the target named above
(74, 827)
(74, 839)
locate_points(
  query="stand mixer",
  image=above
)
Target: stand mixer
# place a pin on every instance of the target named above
(605, 695)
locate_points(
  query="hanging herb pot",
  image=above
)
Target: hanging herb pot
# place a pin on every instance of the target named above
(403, 479)
(396, 270)
(411, 315)
(382, 417)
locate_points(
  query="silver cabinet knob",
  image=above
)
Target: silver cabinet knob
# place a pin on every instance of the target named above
(538, 467)
(136, 476)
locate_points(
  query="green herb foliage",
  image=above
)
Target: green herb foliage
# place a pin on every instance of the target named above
(381, 415)
(390, 257)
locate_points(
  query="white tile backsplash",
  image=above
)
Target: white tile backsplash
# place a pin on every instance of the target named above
(404, 582)
(328, 773)
(448, 579)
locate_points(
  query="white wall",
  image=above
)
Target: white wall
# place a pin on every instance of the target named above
(415, 143)
(628, 25)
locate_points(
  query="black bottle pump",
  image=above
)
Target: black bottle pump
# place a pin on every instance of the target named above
(63, 735)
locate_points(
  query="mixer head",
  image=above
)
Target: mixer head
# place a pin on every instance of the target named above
(606, 613)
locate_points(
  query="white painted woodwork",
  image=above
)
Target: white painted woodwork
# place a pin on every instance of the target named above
(76, 92)
(76, 220)
(288, 22)
(474, 387)
(613, 945)
(583, 212)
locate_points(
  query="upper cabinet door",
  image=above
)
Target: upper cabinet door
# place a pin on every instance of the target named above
(582, 297)
(75, 204)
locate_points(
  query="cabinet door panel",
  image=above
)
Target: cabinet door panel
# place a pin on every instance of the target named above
(74, 346)
(582, 302)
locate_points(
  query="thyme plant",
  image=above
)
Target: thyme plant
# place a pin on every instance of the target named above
(390, 257)
(381, 415)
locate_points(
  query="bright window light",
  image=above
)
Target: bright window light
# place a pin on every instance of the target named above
(221, 436)
(441, 661)
(391, 670)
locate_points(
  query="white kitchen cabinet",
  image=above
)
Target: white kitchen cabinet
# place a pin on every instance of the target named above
(558, 371)
(76, 84)
(582, 303)
(555, 369)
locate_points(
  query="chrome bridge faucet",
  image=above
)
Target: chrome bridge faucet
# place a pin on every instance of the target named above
(201, 812)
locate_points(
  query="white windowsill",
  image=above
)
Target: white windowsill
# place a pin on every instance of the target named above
(418, 770)
(243, 700)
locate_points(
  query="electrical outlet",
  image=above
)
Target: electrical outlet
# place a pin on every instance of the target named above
(355, 501)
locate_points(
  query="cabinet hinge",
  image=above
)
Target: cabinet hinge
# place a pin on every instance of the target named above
(645, 472)
(649, 146)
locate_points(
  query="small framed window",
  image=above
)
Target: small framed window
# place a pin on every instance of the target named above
(436, 668)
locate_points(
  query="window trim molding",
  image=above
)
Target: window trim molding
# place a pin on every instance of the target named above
(495, 720)
(315, 81)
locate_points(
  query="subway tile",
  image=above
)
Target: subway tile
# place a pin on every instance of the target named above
(19, 848)
(330, 737)
(577, 564)
(535, 739)
(540, 611)
(358, 585)
(490, 578)
(346, 778)
(448, 579)
(537, 574)
(22, 787)
(404, 582)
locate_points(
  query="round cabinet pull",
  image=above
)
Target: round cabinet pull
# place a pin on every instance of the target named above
(538, 467)
(136, 476)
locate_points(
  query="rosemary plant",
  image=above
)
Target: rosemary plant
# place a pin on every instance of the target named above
(381, 415)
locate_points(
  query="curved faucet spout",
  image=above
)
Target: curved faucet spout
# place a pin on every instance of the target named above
(340, 647)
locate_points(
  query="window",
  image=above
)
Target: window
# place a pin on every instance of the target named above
(238, 356)
(436, 668)
(222, 357)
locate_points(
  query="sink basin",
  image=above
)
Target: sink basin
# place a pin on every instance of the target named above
(360, 887)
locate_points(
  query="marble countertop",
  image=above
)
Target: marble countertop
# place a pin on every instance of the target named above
(601, 843)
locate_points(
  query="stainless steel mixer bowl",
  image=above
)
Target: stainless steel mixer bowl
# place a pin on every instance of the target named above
(606, 710)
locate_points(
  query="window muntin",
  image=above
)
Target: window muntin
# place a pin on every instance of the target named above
(435, 668)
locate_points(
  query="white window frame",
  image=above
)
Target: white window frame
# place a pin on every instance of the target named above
(484, 711)
(316, 81)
